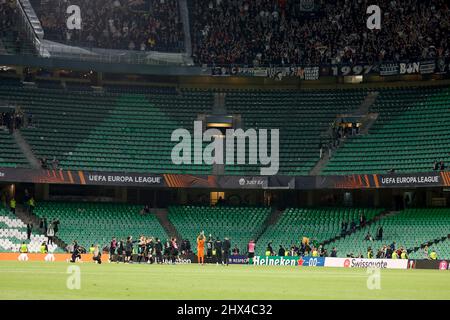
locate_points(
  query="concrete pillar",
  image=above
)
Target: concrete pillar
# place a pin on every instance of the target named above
(376, 198)
(120, 194)
(182, 196)
(99, 78)
(429, 198)
(41, 192)
(310, 198)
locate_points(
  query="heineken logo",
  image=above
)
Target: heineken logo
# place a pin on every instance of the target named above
(276, 261)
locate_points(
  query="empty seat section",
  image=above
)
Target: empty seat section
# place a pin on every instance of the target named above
(411, 133)
(301, 117)
(409, 229)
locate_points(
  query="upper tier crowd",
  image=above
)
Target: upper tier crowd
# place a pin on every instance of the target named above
(256, 32)
(142, 25)
(263, 32)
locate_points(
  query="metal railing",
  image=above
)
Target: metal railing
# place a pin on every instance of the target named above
(29, 24)
(47, 49)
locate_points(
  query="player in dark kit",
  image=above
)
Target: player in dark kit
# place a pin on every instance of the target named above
(226, 251)
(158, 251)
(112, 248)
(97, 255)
(218, 248)
(149, 251)
(209, 247)
(76, 253)
(129, 249)
(120, 251)
(141, 249)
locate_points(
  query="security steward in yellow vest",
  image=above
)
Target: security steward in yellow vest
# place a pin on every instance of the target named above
(404, 255)
(433, 255)
(31, 205)
(12, 205)
(24, 248)
(43, 248)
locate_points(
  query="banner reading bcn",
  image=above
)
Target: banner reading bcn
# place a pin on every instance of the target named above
(366, 263)
(288, 261)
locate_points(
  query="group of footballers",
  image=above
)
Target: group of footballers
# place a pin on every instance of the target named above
(152, 250)
(149, 250)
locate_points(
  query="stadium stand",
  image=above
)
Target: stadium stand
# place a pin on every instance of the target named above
(267, 32)
(10, 155)
(98, 223)
(409, 136)
(409, 229)
(301, 116)
(13, 39)
(13, 233)
(110, 131)
(239, 224)
(9, 34)
(109, 119)
(442, 250)
(127, 24)
(318, 225)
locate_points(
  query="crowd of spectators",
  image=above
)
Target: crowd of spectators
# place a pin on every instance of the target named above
(306, 248)
(263, 32)
(439, 166)
(141, 25)
(386, 252)
(8, 21)
(49, 164)
(15, 119)
(254, 32)
(8, 11)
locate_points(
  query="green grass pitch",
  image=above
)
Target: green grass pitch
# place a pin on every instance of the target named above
(39, 280)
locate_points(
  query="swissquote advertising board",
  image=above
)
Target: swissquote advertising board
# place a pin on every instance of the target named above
(366, 263)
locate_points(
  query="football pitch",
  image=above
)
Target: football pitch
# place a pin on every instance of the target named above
(39, 280)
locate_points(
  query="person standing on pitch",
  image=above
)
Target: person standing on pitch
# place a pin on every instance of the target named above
(209, 247)
(201, 248)
(129, 249)
(29, 230)
(112, 249)
(97, 255)
(218, 248)
(251, 250)
(50, 234)
(226, 251)
(158, 251)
